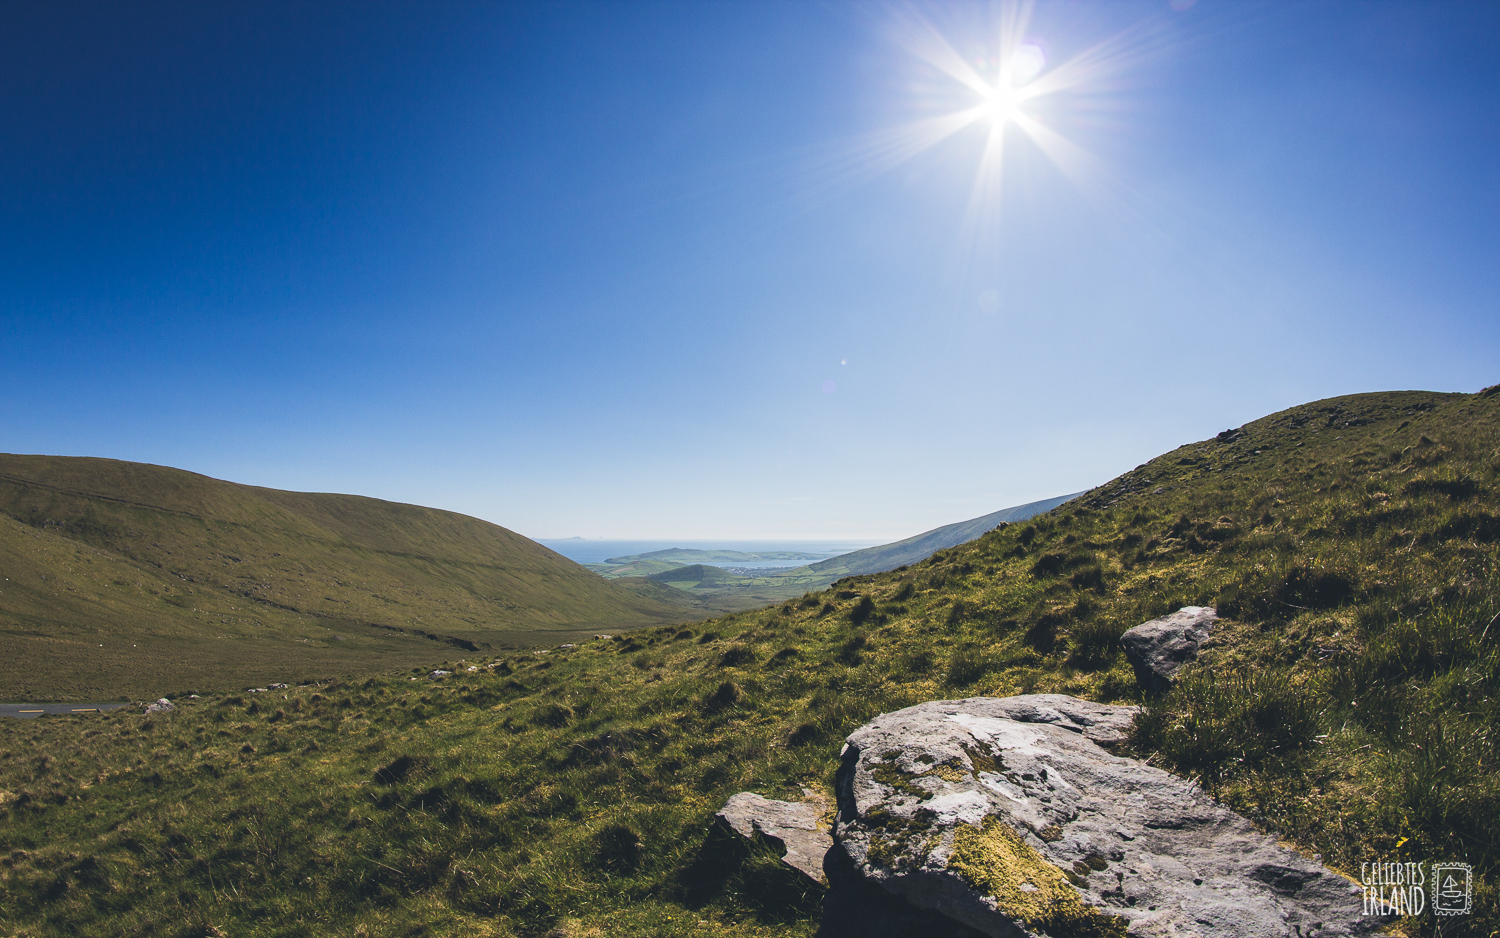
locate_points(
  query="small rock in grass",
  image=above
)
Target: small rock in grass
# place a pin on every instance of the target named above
(791, 824)
(1157, 649)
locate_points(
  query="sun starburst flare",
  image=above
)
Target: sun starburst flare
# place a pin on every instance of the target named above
(1006, 90)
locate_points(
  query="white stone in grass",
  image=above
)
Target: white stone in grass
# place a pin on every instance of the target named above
(1157, 649)
(791, 824)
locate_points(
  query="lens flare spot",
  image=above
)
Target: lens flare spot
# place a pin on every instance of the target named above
(1026, 63)
(828, 386)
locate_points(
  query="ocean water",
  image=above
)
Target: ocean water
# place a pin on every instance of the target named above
(584, 550)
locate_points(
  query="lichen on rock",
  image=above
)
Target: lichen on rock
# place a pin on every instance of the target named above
(996, 861)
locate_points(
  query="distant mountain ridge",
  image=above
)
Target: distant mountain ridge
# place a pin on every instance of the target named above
(712, 589)
(921, 546)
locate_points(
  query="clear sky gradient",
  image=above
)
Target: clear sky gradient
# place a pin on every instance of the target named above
(699, 270)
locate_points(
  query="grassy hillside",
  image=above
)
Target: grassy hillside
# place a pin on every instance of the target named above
(135, 580)
(1348, 702)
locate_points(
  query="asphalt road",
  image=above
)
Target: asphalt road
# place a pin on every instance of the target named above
(31, 711)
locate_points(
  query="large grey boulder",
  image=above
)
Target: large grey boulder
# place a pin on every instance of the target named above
(795, 825)
(1008, 817)
(1156, 649)
(162, 705)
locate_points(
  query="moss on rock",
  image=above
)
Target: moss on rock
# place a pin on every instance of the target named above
(995, 860)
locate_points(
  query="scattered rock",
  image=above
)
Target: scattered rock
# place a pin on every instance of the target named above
(162, 705)
(399, 769)
(1156, 649)
(438, 674)
(791, 824)
(256, 690)
(1008, 816)
(472, 667)
(278, 686)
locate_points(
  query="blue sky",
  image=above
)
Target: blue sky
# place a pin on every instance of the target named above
(655, 270)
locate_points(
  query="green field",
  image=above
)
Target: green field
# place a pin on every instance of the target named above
(129, 580)
(615, 571)
(1348, 703)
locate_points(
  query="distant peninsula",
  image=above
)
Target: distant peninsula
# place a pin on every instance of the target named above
(682, 555)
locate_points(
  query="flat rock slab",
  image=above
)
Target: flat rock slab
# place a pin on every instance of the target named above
(793, 824)
(1007, 816)
(1156, 649)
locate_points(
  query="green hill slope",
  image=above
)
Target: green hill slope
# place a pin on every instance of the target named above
(696, 576)
(634, 568)
(123, 578)
(1347, 702)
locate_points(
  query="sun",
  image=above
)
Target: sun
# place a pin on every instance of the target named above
(1008, 90)
(1006, 87)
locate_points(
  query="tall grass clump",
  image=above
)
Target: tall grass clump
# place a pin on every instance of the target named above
(1215, 725)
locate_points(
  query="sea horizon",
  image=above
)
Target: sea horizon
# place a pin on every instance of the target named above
(586, 550)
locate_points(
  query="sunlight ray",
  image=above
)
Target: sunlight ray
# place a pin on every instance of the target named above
(1145, 214)
(884, 150)
(917, 34)
(982, 213)
(1092, 67)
